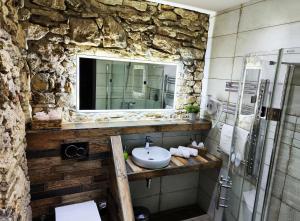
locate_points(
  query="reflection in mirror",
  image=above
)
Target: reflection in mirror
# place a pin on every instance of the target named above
(249, 92)
(114, 84)
(248, 98)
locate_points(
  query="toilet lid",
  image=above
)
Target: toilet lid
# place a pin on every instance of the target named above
(78, 212)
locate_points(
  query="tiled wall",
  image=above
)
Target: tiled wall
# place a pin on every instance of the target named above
(166, 192)
(257, 26)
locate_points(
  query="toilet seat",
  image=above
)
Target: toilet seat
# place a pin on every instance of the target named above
(78, 212)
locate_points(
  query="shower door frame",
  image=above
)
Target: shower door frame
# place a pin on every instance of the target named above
(278, 133)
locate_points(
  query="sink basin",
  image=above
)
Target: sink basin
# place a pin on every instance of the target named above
(154, 158)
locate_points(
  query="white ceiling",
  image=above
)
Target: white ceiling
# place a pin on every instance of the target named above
(206, 6)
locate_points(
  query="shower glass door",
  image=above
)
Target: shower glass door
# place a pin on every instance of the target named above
(282, 199)
(248, 162)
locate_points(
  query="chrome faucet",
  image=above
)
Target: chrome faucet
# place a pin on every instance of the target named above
(148, 142)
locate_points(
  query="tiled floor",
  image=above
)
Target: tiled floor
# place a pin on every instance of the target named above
(189, 213)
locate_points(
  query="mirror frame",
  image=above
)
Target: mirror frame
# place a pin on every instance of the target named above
(78, 56)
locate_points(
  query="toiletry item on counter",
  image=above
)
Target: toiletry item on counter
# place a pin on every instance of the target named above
(226, 138)
(192, 151)
(179, 152)
(200, 145)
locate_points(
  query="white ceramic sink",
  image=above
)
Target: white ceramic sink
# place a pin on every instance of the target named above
(152, 158)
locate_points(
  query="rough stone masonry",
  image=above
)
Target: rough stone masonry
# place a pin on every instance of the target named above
(58, 30)
(14, 109)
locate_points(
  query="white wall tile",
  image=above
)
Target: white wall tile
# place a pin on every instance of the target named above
(287, 136)
(297, 136)
(229, 216)
(178, 199)
(245, 213)
(207, 185)
(226, 23)
(267, 39)
(220, 68)
(238, 68)
(283, 157)
(152, 203)
(269, 13)
(237, 184)
(296, 77)
(216, 88)
(294, 102)
(291, 192)
(234, 203)
(138, 189)
(223, 46)
(274, 208)
(204, 201)
(179, 182)
(175, 141)
(293, 57)
(287, 213)
(294, 163)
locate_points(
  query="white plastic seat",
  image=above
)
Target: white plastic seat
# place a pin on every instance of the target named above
(78, 212)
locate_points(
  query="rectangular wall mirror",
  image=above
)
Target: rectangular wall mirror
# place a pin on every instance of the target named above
(107, 84)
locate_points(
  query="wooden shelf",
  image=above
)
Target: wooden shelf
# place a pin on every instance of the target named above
(126, 127)
(177, 165)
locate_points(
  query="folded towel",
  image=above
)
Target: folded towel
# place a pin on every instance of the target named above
(180, 153)
(240, 141)
(192, 151)
(226, 138)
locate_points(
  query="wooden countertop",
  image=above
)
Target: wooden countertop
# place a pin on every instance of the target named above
(135, 126)
(177, 165)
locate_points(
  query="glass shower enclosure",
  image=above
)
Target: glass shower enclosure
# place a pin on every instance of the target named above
(261, 181)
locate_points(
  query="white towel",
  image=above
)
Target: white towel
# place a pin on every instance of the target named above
(226, 138)
(192, 151)
(180, 153)
(240, 141)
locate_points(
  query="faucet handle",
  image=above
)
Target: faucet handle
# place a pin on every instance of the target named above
(148, 139)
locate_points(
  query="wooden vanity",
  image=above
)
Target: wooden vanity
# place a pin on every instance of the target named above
(177, 165)
(104, 174)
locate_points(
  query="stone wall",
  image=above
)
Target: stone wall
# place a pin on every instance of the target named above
(14, 184)
(57, 31)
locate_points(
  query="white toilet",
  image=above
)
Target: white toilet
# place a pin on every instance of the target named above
(78, 212)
